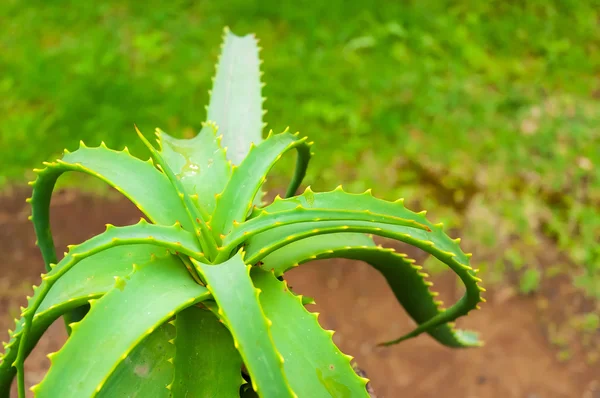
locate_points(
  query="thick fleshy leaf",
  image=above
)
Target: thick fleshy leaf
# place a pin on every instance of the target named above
(265, 221)
(236, 201)
(207, 363)
(196, 213)
(434, 241)
(137, 305)
(338, 199)
(304, 250)
(173, 238)
(268, 242)
(314, 366)
(89, 279)
(235, 100)
(407, 281)
(7, 370)
(199, 163)
(146, 371)
(240, 310)
(97, 273)
(149, 189)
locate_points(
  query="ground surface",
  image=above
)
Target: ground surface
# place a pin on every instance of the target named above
(354, 300)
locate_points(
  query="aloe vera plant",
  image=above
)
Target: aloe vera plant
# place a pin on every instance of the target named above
(191, 301)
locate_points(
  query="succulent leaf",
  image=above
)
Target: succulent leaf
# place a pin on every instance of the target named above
(237, 198)
(173, 238)
(96, 274)
(139, 181)
(406, 280)
(207, 363)
(239, 308)
(196, 213)
(89, 279)
(146, 371)
(329, 206)
(301, 251)
(435, 242)
(235, 100)
(266, 221)
(314, 366)
(151, 295)
(199, 163)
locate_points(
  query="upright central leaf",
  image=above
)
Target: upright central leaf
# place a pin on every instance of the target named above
(236, 102)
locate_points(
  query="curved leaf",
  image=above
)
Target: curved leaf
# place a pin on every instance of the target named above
(338, 199)
(136, 306)
(7, 370)
(96, 274)
(406, 280)
(307, 249)
(199, 163)
(435, 242)
(236, 101)
(207, 363)
(89, 279)
(236, 200)
(173, 238)
(146, 371)
(139, 181)
(314, 366)
(264, 220)
(232, 289)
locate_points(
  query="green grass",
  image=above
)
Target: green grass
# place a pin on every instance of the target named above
(487, 113)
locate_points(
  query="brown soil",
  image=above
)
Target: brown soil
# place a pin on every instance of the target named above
(517, 360)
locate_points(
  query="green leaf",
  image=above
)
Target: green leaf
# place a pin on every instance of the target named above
(199, 163)
(235, 203)
(196, 213)
(338, 199)
(207, 363)
(89, 279)
(407, 281)
(263, 220)
(146, 371)
(232, 289)
(265, 243)
(279, 237)
(136, 306)
(173, 238)
(139, 181)
(304, 250)
(314, 366)
(434, 241)
(96, 274)
(236, 101)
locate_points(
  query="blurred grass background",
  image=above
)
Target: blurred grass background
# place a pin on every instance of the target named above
(485, 113)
